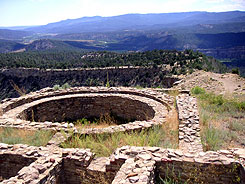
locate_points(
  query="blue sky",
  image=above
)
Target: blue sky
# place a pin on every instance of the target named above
(40, 12)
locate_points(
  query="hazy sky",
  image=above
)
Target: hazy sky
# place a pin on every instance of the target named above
(40, 12)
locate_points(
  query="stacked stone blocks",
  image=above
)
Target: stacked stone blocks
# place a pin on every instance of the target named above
(142, 165)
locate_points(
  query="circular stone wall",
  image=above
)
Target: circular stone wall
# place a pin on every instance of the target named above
(49, 109)
(75, 107)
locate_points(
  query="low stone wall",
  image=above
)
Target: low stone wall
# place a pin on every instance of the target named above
(189, 128)
(40, 164)
(142, 165)
(90, 106)
(224, 166)
(10, 164)
(75, 163)
(44, 165)
(136, 170)
(128, 164)
(146, 106)
(11, 103)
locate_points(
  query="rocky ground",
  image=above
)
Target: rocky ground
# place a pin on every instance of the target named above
(213, 82)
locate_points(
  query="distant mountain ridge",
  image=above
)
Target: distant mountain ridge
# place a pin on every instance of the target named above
(13, 34)
(138, 42)
(138, 21)
(219, 34)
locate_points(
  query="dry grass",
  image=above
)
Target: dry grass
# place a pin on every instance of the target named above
(221, 131)
(171, 127)
(22, 136)
(103, 121)
(1, 111)
(93, 125)
(20, 91)
(173, 93)
(106, 143)
(222, 120)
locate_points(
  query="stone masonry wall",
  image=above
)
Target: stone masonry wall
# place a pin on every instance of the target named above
(205, 167)
(40, 164)
(128, 164)
(8, 104)
(10, 164)
(147, 107)
(189, 128)
(141, 165)
(75, 108)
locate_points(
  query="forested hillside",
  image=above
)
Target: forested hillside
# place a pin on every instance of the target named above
(147, 69)
(177, 61)
(8, 46)
(217, 34)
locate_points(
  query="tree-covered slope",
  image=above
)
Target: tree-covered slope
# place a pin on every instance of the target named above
(177, 61)
(9, 46)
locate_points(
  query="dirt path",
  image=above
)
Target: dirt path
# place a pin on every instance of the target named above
(231, 82)
(213, 82)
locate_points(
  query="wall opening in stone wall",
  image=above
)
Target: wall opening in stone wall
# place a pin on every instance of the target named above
(11, 164)
(75, 172)
(74, 108)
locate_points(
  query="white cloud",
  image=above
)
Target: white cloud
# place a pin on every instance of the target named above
(179, 6)
(214, 1)
(239, 4)
(238, 1)
(223, 8)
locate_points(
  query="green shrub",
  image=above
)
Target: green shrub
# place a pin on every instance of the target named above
(56, 87)
(240, 106)
(167, 180)
(204, 117)
(197, 90)
(235, 71)
(217, 103)
(170, 178)
(65, 86)
(107, 81)
(237, 125)
(212, 139)
(138, 87)
(216, 99)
